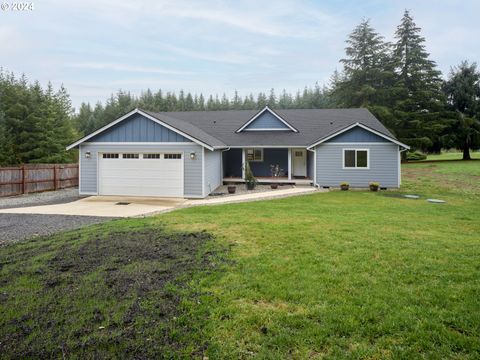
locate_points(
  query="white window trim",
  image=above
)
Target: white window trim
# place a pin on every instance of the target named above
(246, 154)
(355, 167)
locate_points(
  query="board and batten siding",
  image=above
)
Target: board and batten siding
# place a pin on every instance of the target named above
(213, 170)
(383, 165)
(88, 181)
(138, 128)
(266, 121)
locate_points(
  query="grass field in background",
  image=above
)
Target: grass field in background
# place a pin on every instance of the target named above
(351, 274)
(451, 155)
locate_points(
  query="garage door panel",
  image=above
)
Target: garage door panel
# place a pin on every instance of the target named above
(141, 177)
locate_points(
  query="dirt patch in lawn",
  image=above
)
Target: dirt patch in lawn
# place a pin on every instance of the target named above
(115, 294)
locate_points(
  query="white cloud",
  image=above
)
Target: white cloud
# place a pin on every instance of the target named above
(126, 68)
(222, 57)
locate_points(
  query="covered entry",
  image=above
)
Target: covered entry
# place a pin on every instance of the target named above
(141, 174)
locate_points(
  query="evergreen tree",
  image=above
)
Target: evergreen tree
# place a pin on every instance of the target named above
(225, 104)
(365, 71)
(189, 104)
(237, 101)
(261, 100)
(249, 103)
(419, 99)
(272, 99)
(463, 93)
(201, 102)
(210, 103)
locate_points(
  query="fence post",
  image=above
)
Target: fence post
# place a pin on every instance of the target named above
(54, 177)
(23, 179)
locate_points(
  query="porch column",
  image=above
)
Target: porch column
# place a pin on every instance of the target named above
(289, 163)
(243, 164)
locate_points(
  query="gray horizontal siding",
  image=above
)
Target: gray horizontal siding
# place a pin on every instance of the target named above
(356, 135)
(213, 170)
(192, 168)
(137, 128)
(266, 121)
(383, 165)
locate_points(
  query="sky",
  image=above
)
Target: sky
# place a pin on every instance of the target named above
(97, 47)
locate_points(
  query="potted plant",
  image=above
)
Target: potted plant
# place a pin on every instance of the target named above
(231, 188)
(344, 186)
(250, 179)
(276, 171)
(374, 186)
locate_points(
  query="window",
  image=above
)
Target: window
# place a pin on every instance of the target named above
(355, 158)
(172, 156)
(151, 156)
(110, 156)
(254, 154)
(130, 156)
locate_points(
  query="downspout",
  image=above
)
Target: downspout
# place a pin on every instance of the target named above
(400, 165)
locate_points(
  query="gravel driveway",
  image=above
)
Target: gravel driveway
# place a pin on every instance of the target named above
(16, 227)
(41, 198)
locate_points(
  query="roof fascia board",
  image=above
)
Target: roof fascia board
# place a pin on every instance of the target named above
(283, 129)
(341, 131)
(266, 108)
(269, 146)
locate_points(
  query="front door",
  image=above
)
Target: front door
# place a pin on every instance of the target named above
(299, 162)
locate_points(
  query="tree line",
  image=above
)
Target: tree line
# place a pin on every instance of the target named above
(36, 124)
(397, 81)
(90, 118)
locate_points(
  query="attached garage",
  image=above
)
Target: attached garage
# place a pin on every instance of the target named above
(141, 174)
(147, 154)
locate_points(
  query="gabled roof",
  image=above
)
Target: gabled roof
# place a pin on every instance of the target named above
(185, 129)
(260, 113)
(188, 128)
(335, 133)
(311, 125)
(219, 129)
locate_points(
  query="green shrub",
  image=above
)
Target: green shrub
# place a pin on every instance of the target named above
(250, 179)
(415, 155)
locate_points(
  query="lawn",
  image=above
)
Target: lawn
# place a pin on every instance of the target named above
(451, 155)
(332, 275)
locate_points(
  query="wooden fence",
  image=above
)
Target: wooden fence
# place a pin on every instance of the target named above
(16, 180)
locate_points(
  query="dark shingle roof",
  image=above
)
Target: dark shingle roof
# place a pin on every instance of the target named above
(217, 128)
(187, 127)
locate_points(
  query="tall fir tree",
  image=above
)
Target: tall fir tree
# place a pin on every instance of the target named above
(365, 69)
(419, 105)
(463, 93)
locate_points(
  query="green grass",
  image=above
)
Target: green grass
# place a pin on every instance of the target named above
(451, 155)
(332, 275)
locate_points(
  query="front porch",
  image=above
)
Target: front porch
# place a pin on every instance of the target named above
(270, 180)
(296, 164)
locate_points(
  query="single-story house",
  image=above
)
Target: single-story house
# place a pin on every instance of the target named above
(189, 154)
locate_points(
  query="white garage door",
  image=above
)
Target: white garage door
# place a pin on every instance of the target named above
(141, 174)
